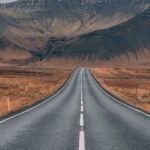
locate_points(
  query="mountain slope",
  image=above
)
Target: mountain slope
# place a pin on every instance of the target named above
(6, 21)
(67, 17)
(127, 38)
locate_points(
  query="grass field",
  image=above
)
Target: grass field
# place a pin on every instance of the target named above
(20, 89)
(130, 85)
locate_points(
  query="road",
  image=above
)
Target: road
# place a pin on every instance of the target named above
(81, 116)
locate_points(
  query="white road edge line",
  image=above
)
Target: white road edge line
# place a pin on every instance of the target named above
(130, 107)
(81, 134)
(38, 105)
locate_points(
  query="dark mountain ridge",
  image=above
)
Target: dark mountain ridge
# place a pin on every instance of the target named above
(129, 37)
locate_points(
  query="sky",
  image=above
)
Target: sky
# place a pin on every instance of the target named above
(5, 1)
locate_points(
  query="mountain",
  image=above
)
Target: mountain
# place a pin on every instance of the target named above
(70, 17)
(6, 21)
(129, 38)
(35, 30)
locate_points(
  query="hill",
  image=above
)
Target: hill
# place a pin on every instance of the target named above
(127, 39)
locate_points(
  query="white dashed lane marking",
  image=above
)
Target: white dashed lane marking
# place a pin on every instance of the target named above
(81, 120)
(82, 109)
(81, 134)
(81, 141)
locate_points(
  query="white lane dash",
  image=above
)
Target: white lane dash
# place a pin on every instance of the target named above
(81, 141)
(82, 109)
(81, 120)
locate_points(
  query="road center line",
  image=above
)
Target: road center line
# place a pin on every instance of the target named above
(82, 109)
(81, 120)
(81, 141)
(81, 134)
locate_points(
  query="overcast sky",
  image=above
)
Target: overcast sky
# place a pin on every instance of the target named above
(5, 1)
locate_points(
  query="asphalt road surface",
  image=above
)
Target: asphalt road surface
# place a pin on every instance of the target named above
(81, 116)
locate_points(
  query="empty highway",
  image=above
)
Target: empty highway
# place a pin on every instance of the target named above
(81, 116)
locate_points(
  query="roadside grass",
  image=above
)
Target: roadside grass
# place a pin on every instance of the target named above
(130, 85)
(20, 89)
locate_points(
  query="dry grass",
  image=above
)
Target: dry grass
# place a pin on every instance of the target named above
(20, 89)
(131, 85)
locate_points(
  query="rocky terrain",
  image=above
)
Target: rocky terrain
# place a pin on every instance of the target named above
(67, 17)
(131, 37)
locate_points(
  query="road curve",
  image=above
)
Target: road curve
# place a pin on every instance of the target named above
(55, 124)
(110, 125)
(51, 126)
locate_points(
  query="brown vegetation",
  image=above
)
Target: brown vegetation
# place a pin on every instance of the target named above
(130, 85)
(20, 89)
